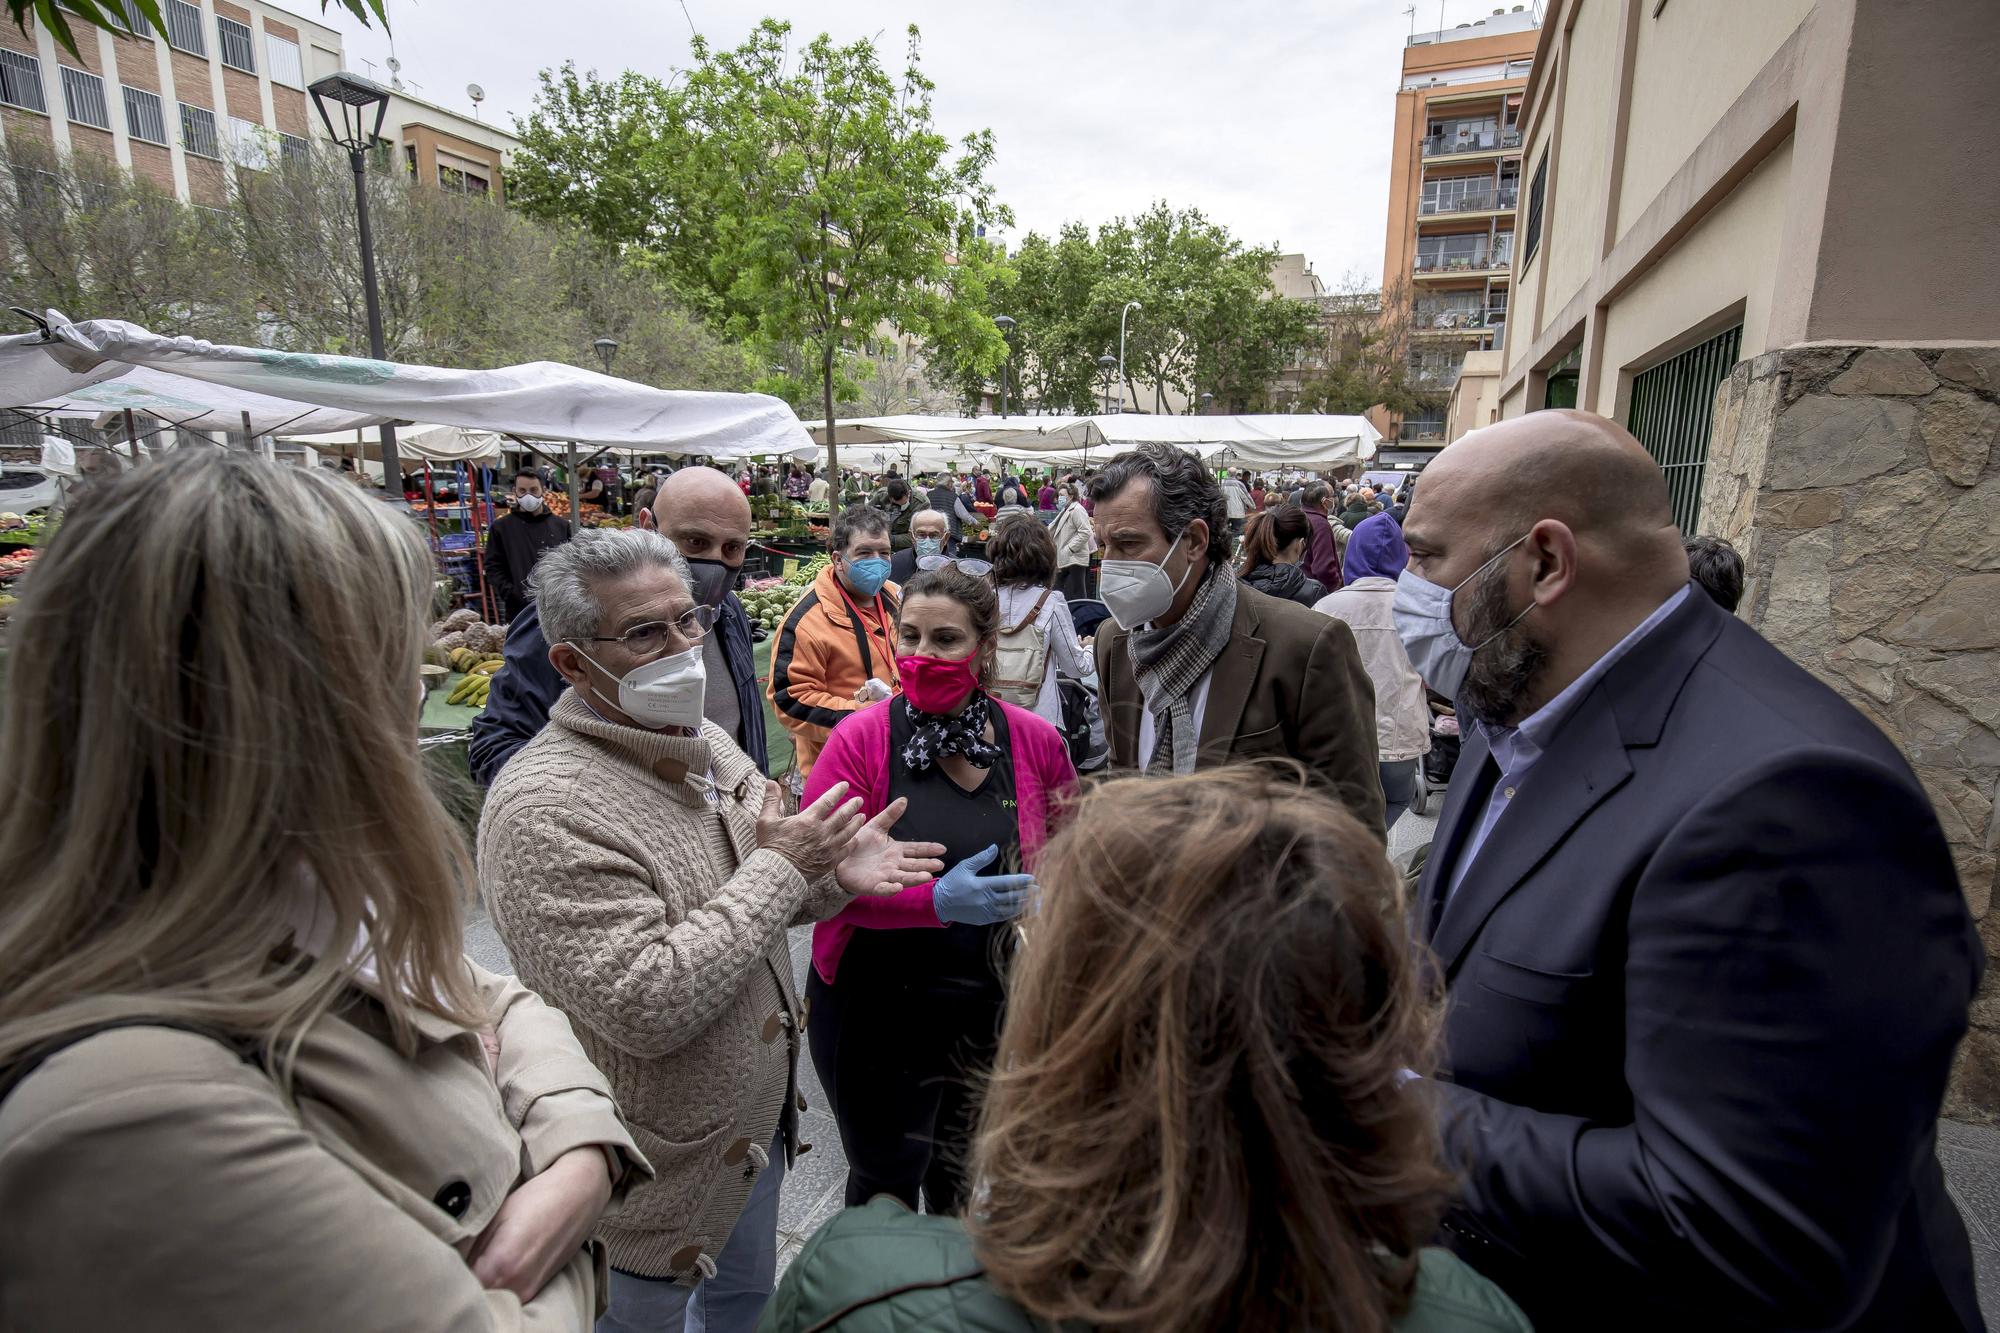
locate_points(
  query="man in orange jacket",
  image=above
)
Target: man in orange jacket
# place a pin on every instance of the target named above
(840, 637)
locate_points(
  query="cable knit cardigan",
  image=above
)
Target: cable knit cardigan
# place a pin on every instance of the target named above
(649, 916)
(857, 753)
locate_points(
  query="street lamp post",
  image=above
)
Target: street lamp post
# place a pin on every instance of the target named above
(1107, 363)
(354, 96)
(1206, 399)
(606, 348)
(1130, 306)
(1006, 326)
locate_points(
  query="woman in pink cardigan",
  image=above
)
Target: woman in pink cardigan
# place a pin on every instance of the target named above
(907, 991)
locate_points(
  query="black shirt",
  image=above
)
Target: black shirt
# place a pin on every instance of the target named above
(960, 958)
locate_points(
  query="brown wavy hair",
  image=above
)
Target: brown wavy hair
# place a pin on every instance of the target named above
(1199, 1116)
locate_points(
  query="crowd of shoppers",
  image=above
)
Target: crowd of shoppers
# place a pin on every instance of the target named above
(1158, 1054)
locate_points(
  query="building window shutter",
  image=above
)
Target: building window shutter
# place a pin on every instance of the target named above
(1536, 189)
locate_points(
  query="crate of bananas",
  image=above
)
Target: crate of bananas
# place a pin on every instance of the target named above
(472, 689)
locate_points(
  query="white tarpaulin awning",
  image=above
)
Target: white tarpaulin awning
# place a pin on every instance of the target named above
(540, 400)
(195, 404)
(422, 444)
(1307, 440)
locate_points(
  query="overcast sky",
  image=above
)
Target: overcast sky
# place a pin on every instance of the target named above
(1272, 116)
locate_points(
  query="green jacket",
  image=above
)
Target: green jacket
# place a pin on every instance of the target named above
(894, 1271)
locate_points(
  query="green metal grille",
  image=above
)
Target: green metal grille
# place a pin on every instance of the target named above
(1671, 416)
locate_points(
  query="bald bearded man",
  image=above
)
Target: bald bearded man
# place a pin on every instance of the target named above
(705, 514)
(1704, 947)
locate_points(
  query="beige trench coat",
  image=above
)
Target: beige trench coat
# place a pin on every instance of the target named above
(153, 1179)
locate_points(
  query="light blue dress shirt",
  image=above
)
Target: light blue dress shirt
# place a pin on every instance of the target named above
(1516, 749)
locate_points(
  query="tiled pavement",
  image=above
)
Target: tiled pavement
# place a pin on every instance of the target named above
(813, 1190)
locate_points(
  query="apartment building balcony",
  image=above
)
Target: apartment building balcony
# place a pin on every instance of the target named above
(1464, 142)
(1431, 265)
(1458, 322)
(1491, 199)
(1420, 432)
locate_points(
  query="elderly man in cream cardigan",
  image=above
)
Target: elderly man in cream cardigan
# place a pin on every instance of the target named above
(642, 873)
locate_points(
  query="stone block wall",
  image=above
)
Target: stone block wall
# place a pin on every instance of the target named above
(1862, 485)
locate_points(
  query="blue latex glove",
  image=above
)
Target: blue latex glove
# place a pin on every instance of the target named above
(964, 895)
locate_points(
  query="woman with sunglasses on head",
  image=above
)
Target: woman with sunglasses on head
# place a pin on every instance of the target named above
(248, 1078)
(907, 991)
(1205, 1113)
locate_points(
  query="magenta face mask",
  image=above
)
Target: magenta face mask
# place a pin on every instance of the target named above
(937, 685)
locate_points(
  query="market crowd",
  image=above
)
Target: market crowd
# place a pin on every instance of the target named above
(1125, 1016)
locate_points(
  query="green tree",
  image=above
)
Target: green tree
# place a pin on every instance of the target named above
(803, 197)
(839, 201)
(464, 282)
(115, 15)
(1359, 358)
(81, 235)
(1209, 317)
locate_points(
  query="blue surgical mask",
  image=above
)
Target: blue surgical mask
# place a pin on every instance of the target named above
(866, 576)
(928, 546)
(1422, 611)
(1062, 503)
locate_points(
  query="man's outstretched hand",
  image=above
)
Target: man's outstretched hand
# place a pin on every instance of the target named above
(876, 865)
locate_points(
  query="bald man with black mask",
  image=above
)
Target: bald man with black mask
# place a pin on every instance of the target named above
(1705, 954)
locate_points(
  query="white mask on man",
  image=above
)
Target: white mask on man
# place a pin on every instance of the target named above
(666, 692)
(1138, 592)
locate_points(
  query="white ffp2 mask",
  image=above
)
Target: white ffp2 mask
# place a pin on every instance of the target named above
(1138, 592)
(666, 692)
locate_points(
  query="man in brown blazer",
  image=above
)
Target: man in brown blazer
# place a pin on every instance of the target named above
(1199, 670)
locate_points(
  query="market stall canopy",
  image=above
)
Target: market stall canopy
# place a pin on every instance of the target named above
(192, 403)
(1308, 440)
(540, 400)
(422, 444)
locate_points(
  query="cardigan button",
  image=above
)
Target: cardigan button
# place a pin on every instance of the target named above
(454, 1198)
(684, 1258)
(772, 1027)
(802, 1102)
(736, 1152)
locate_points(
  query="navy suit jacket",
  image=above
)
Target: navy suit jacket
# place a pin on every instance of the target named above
(1705, 978)
(517, 707)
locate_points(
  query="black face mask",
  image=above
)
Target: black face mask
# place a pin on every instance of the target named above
(713, 580)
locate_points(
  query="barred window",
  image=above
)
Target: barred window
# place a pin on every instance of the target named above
(237, 50)
(198, 131)
(145, 117)
(135, 20)
(294, 147)
(184, 27)
(21, 81)
(83, 94)
(248, 144)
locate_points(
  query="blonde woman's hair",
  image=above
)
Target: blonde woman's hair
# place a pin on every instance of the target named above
(1198, 1117)
(210, 730)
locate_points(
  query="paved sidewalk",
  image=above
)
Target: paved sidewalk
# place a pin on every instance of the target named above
(815, 1188)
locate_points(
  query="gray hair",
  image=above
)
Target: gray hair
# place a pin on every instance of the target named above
(566, 580)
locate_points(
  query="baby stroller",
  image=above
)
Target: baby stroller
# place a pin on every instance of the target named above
(1434, 773)
(1083, 720)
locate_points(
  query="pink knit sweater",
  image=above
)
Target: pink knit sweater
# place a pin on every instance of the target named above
(857, 753)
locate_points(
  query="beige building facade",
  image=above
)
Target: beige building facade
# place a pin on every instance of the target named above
(1761, 236)
(223, 84)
